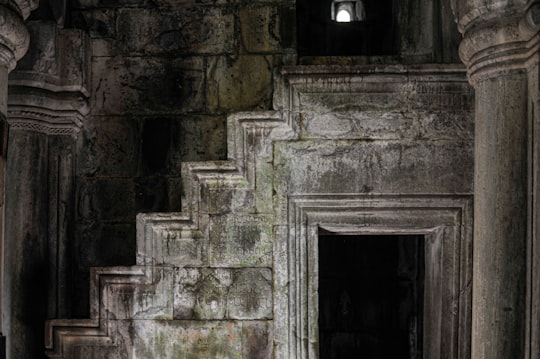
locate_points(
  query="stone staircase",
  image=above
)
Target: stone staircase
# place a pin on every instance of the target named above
(203, 279)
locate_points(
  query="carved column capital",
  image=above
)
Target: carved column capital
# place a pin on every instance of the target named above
(48, 92)
(498, 37)
(14, 37)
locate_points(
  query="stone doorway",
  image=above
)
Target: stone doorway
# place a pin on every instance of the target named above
(443, 222)
(371, 290)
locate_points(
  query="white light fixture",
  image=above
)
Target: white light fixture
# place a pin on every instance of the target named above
(348, 10)
(343, 16)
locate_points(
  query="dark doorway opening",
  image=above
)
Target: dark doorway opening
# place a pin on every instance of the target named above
(371, 290)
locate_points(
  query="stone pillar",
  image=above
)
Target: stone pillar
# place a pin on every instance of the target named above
(14, 40)
(500, 48)
(47, 103)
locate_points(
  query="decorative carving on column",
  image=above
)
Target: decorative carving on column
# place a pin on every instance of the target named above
(48, 92)
(47, 102)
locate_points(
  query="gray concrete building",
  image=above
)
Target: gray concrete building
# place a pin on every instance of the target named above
(269, 179)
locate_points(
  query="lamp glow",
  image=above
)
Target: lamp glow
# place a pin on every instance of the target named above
(343, 16)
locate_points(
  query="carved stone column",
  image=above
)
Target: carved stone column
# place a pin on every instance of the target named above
(14, 40)
(500, 48)
(47, 102)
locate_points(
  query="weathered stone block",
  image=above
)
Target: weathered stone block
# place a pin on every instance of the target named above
(240, 83)
(260, 28)
(416, 40)
(258, 340)
(414, 109)
(140, 301)
(387, 124)
(217, 198)
(110, 147)
(268, 27)
(224, 196)
(211, 140)
(200, 293)
(173, 3)
(85, 4)
(182, 339)
(240, 240)
(198, 30)
(97, 352)
(386, 167)
(104, 47)
(109, 91)
(147, 85)
(447, 97)
(219, 293)
(178, 247)
(151, 194)
(99, 22)
(250, 295)
(179, 339)
(104, 245)
(95, 196)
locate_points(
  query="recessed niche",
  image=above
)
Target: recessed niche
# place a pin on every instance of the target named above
(345, 27)
(371, 290)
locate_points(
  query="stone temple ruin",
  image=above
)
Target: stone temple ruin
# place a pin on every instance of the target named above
(306, 187)
(235, 273)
